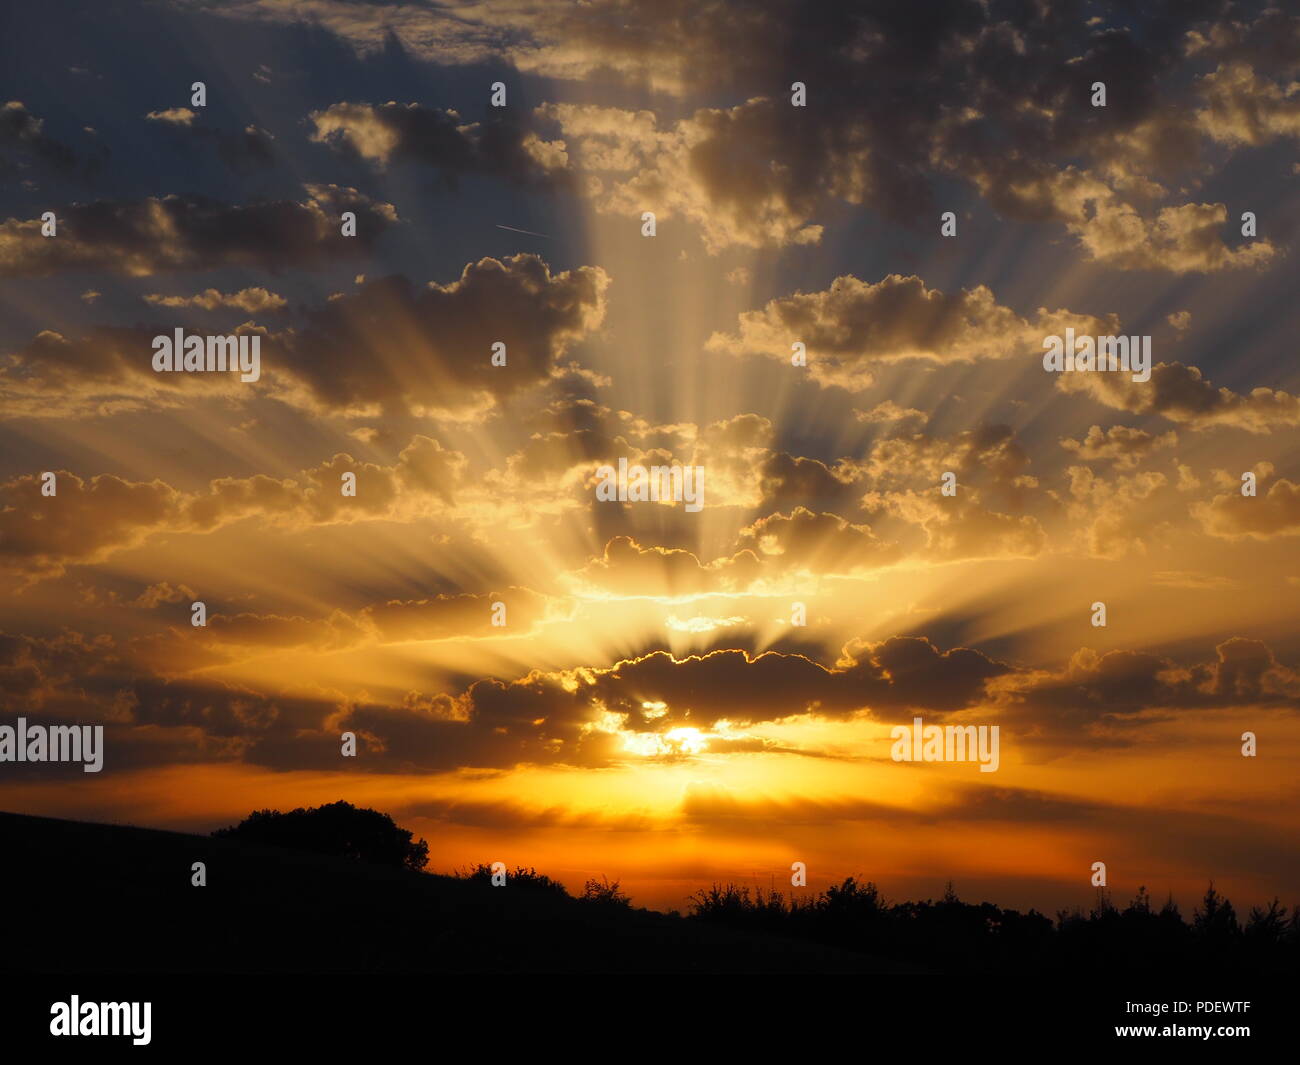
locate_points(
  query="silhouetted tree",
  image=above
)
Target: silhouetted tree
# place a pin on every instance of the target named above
(1140, 907)
(1215, 921)
(337, 828)
(1267, 927)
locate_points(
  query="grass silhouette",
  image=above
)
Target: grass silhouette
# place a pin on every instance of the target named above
(953, 935)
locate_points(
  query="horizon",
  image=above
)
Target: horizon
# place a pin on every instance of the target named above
(1101, 897)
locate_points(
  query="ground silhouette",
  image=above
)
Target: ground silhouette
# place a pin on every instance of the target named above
(116, 899)
(111, 898)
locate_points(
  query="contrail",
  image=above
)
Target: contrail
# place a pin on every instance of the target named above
(529, 232)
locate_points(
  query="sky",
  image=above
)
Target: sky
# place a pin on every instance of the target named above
(919, 195)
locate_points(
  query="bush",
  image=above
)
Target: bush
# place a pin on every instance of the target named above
(603, 892)
(338, 828)
(526, 879)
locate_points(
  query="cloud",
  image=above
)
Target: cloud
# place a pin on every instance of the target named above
(988, 454)
(22, 134)
(1181, 239)
(246, 149)
(889, 411)
(1100, 695)
(626, 568)
(1178, 238)
(106, 370)
(632, 709)
(1182, 394)
(413, 133)
(175, 116)
(768, 553)
(890, 678)
(698, 169)
(457, 616)
(899, 102)
(960, 527)
(787, 480)
(1234, 516)
(250, 300)
(232, 637)
(85, 521)
(583, 717)
(1123, 446)
(391, 346)
(602, 716)
(139, 238)
(250, 148)
(163, 592)
(817, 543)
(854, 326)
(1244, 109)
(1119, 515)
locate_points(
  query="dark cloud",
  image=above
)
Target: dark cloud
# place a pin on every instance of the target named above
(787, 481)
(852, 328)
(581, 717)
(389, 347)
(900, 98)
(397, 347)
(86, 520)
(412, 133)
(994, 95)
(22, 138)
(242, 150)
(139, 238)
(1184, 395)
(1100, 695)
(889, 678)
(251, 148)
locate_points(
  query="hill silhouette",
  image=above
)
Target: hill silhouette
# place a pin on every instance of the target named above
(118, 899)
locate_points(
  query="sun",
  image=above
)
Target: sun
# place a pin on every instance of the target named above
(676, 741)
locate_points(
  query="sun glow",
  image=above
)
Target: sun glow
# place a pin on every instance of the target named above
(677, 741)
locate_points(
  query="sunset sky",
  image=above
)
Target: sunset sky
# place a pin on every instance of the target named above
(649, 711)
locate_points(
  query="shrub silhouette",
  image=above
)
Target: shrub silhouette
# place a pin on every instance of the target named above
(527, 879)
(604, 892)
(338, 828)
(955, 935)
